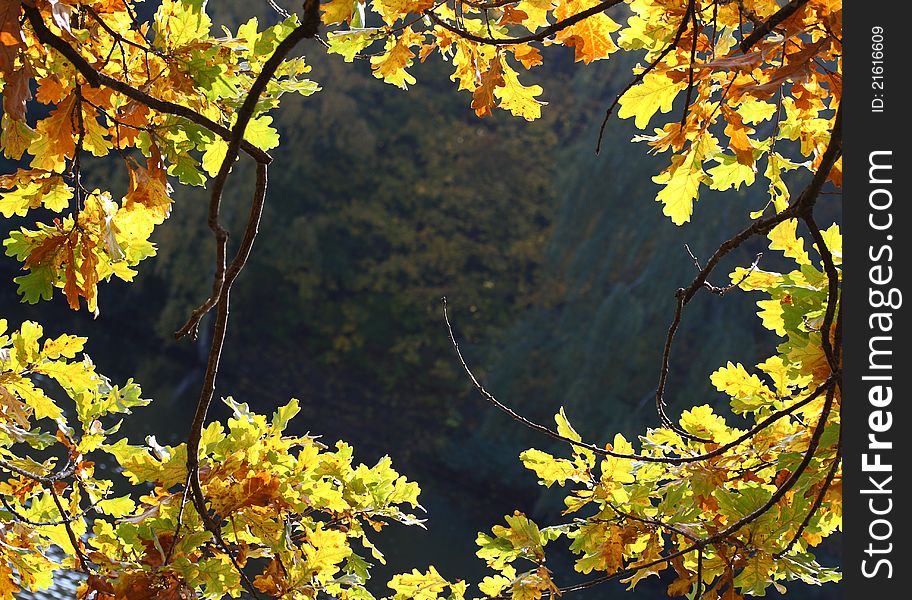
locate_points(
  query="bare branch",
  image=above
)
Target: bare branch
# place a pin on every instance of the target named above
(767, 26)
(244, 115)
(540, 35)
(671, 460)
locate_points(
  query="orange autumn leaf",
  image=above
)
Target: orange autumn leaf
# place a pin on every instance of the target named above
(738, 134)
(10, 35)
(149, 187)
(483, 96)
(590, 38)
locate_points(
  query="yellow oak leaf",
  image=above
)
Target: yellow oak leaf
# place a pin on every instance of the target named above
(349, 44)
(492, 585)
(832, 237)
(616, 471)
(591, 37)
(771, 315)
(39, 402)
(550, 470)
(65, 345)
(681, 183)
(730, 173)
(701, 421)
(519, 99)
(755, 111)
(95, 136)
(536, 12)
(735, 381)
(16, 137)
(8, 587)
(54, 140)
(337, 11)
(784, 237)
(181, 23)
(390, 66)
(781, 374)
(755, 279)
(392, 10)
(602, 547)
(655, 93)
(483, 95)
(417, 585)
(50, 191)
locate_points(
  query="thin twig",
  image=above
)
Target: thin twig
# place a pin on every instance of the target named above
(539, 35)
(74, 540)
(66, 519)
(693, 60)
(244, 115)
(672, 460)
(682, 27)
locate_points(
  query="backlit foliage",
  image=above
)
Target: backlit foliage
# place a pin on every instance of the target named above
(628, 509)
(727, 88)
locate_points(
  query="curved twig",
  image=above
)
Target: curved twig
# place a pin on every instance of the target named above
(671, 460)
(244, 115)
(682, 27)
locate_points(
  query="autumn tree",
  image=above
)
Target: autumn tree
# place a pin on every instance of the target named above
(736, 88)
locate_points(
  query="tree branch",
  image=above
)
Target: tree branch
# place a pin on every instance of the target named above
(244, 115)
(534, 37)
(831, 474)
(767, 26)
(671, 460)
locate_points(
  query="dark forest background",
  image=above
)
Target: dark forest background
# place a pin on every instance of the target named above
(559, 268)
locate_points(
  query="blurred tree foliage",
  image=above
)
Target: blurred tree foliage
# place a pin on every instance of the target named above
(611, 266)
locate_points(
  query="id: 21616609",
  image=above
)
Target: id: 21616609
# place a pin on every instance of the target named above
(877, 69)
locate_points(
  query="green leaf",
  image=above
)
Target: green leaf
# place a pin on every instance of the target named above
(261, 134)
(214, 156)
(755, 577)
(349, 44)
